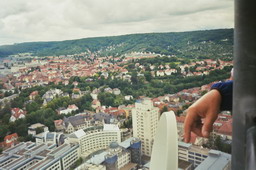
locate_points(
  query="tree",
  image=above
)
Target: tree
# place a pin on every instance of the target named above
(39, 130)
(134, 78)
(3, 131)
(32, 107)
(148, 76)
(164, 109)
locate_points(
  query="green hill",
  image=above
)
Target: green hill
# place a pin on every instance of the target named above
(208, 43)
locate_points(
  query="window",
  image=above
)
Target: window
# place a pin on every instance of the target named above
(191, 153)
(192, 157)
(197, 154)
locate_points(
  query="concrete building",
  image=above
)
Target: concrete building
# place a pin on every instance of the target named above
(34, 157)
(91, 167)
(216, 160)
(50, 138)
(117, 156)
(69, 109)
(95, 138)
(32, 130)
(191, 153)
(144, 120)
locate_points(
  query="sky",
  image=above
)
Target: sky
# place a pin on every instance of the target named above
(55, 20)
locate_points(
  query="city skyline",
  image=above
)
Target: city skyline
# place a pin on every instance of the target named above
(28, 21)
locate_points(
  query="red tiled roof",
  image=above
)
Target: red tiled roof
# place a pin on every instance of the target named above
(34, 93)
(16, 112)
(11, 136)
(226, 128)
(58, 122)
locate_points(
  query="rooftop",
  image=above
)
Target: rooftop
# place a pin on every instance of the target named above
(215, 160)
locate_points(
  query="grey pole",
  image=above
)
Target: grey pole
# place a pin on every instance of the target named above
(244, 97)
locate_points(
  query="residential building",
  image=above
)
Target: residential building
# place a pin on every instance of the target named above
(94, 94)
(59, 125)
(33, 95)
(52, 93)
(17, 113)
(144, 120)
(128, 97)
(68, 110)
(79, 121)
(116, 91)
(37, 128)
(95, 103)
(10, 140)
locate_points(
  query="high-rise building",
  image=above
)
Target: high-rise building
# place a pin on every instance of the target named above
(144, 120)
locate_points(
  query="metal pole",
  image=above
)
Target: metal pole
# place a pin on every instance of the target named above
(244, 97)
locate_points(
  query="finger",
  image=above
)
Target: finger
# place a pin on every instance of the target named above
(189, 120)
(197, 130)
(208, 125)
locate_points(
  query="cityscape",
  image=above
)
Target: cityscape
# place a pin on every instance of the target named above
(69, 121)
(116, 85)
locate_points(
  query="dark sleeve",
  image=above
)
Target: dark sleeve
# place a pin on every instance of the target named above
(226, 91)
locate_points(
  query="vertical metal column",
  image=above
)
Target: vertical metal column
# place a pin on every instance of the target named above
(244, 97)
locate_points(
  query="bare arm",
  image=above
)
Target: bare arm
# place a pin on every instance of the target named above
(207, 107)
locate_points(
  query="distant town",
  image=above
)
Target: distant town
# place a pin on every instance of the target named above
(82, 111)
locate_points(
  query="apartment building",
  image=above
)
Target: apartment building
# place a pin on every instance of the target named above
(144, 120)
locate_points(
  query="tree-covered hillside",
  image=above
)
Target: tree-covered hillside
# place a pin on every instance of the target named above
(208, 43)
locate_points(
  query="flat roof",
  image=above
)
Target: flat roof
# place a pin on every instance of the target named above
(79, 133)
(215, 161)
(97, 159)
(129, 166)
(183, 164)
(36, 125)
(39, 164)
(183, 144)
(58, 149)
(110, 127)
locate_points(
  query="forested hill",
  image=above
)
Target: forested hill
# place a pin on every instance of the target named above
(208, 43)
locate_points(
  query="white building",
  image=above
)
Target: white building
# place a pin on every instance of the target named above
(50, 138)
(31, 156)
(117, 156)
(69, 109)
(144, 120)
(33, 128)
(95, 139)
(191, 153)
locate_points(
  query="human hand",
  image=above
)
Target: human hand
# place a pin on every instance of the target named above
(201, 115)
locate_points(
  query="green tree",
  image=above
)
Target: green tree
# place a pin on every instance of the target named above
(3, 132)
(148, 76)
(134, 78)
(164, 109)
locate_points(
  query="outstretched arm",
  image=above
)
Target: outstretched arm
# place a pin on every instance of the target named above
(207, 108)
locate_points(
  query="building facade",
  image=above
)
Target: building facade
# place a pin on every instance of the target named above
(96, 138)
(31, 156)
(144, 120)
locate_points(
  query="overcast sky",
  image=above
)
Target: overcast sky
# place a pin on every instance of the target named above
(48, 20)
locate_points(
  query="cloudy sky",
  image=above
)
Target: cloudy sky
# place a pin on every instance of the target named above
(48, 20)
